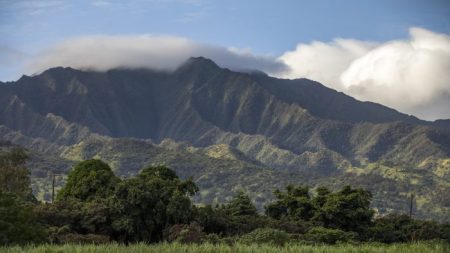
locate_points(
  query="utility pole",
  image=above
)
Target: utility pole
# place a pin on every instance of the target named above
(411, 206)
(53, 187)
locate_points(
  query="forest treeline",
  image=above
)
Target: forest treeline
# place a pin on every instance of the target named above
(96, 206)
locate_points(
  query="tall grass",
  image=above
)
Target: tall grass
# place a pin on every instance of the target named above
(238, 248)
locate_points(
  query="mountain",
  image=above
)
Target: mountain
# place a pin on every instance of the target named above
(228, 130)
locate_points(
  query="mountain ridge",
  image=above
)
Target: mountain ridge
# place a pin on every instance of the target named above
(289, 127)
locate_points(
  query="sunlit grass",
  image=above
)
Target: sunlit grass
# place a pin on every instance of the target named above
(238, 248)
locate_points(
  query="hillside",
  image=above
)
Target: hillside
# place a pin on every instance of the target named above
(228, 130)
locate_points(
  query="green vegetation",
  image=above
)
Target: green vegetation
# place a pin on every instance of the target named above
(14, 176)
(237, 248)
(221, 178)
(97, 207)
(266, 236)
(89, 180)
(18, 224)
(229, 131)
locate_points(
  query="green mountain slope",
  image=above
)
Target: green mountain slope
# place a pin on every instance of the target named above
(227, 130)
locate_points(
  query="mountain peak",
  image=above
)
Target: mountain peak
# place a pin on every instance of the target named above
(200, 60)
(59, 69)
(198, 63)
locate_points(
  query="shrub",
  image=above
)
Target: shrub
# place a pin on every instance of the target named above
(73, 238)
(192, 233)
(64, 235)
(229, 240)
(265, 235)
(329, 236)
(289, 226)
(212, 238)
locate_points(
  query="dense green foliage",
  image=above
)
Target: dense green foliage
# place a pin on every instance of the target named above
(266, 236)
(88, 180)
(95, 206)
(187, 233)
(18, 224)
(144, 206)
(348, 209)
(241, 205)
(401, 228)
(329, 236)
(95, 202)
(14, 176)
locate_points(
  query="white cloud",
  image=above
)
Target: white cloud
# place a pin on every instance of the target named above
(156, 52)
(410, 75)
(323, 62)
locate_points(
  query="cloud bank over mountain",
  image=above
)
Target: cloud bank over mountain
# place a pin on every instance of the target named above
(146, 51)
(410, 75)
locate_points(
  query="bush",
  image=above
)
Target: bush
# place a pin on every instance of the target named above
(265, 235)
(212, 238)
(229, 240)
(64, 235)
(192, 233)
(329, 236)
(73, 238)
(289, 226)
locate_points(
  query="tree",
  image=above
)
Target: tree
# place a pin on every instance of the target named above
(241, 205)
(146, 205)
(238, 216)
(348, 209)
(18, 224)
(401, 228)
(14, 176)
(95, 202)
(74, 218)
(295, 203)
(88, 180)
(321, 196)
(213, 220)
(83, 204)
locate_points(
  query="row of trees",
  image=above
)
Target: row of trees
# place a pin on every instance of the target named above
(97, 206)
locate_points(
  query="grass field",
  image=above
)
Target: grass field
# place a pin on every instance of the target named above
(209, 248)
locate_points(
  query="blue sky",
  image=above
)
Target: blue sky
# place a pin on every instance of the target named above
(265, 28)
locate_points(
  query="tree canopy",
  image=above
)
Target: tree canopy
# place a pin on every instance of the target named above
(348, 209)
(95, 206)
(88, 180)
(149, 203)
(18, 224)
(241, 205)
(14, 175)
